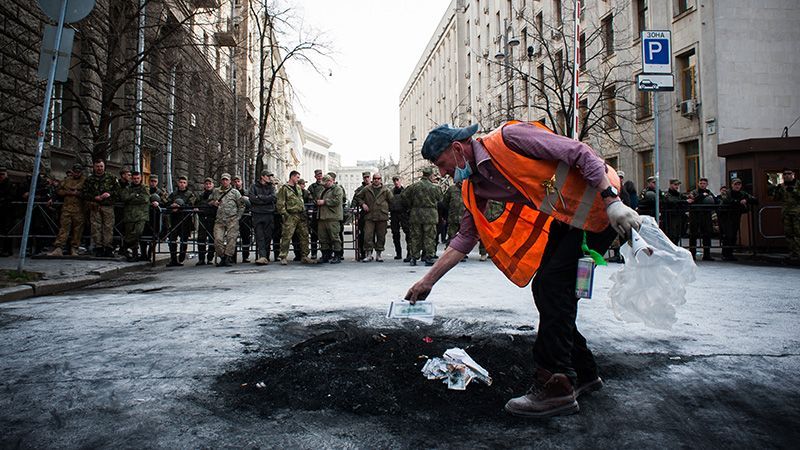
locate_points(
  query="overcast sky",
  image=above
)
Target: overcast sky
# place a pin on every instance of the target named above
(378, 44)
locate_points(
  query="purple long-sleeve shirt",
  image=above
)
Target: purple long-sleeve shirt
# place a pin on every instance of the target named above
(532, 141)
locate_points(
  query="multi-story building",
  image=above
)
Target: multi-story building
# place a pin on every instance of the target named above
(315, 153)
(491, 60)
(199, 96)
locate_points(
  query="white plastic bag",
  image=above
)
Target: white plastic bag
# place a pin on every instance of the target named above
(648, 288)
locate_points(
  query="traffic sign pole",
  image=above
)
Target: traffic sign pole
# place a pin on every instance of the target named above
(656, 157)
(48, 93)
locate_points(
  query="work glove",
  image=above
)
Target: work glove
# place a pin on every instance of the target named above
(623, 218)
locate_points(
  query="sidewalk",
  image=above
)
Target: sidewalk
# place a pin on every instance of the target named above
(66, 273)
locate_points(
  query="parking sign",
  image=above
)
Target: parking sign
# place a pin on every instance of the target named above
(656, 52)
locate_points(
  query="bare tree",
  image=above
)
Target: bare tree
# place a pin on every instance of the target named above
(545, 72)
(281, 38)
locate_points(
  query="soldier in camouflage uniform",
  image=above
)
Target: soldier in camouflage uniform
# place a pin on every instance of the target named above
(230, 207)
(180, 221)
(206, 216)
(340, 253)
(99, 192)
(421, 199)
(245, 223)
(788, 193)
(136, 198)
(315, 190)
(330, 202)
(455, 209)
(374, 200)
(360, 215)
(291, 207)
(73, 216)
(493, 211)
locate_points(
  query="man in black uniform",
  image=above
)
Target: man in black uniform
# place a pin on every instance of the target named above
(735, 203)
(700, 223)
(207, 215)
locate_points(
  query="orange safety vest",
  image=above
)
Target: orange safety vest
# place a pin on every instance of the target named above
(516, 240)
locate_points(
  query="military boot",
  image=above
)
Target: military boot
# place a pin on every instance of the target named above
(182, 254)
(145, 251)
(133, 254)
(336, 258)
(378, 257)
(173, 256)
(550, 395)
(58, 251)
(326, 256)
(224, 261)
(201, 259)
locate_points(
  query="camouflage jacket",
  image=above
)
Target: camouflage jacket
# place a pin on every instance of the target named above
(494, 210)
(421, 200)
(334, 203)
(162, 194)
(230, 202)
(358, 190)
(733, 201)
(789, 195)
(454, 203)
(316, 189)
(73, 186)
(96, 185)
(137, 203)
(186, 197)
(290, 200)
(377, 200)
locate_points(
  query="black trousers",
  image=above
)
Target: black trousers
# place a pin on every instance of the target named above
(262, 224)
(396, 224)
(559, 346)
(181, 228)
(205, 234)
(246, 234)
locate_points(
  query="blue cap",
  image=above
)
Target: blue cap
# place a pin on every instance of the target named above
(442, 136)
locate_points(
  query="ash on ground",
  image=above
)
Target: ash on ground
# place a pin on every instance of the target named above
(376, 371)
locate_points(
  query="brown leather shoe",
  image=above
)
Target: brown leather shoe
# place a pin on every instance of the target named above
(550, 395)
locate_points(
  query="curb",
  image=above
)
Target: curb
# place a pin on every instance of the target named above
(50, 287)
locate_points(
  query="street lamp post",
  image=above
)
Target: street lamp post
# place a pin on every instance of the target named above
(509, 42)
(411, 140)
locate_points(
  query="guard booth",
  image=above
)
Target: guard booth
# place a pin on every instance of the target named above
(759, 163)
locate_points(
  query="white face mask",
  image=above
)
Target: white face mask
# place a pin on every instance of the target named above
(461, 174)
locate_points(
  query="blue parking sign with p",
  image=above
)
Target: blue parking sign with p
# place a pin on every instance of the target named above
(656, 52)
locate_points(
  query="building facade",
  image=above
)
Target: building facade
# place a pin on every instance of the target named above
(200, 98)
(492, 60)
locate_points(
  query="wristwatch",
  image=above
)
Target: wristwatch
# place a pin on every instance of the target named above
(610, 191)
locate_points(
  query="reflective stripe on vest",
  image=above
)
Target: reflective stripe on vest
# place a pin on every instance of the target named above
(515, 241)
(555, 188)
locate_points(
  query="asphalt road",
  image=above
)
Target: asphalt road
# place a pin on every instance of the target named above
(158, 359)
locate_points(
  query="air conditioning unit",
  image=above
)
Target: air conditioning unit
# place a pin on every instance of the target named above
(555, 34)
(477, 99)
(688, 108)
(486, 53)
(466, 75)
(486, 9)
(477, 21)
(496, 39)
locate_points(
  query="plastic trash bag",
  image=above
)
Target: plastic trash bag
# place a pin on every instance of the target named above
(653, 281)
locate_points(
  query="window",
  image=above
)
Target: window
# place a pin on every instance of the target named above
(691, 158)
(583, 112)
(643, 109)
(612, 162)
(608, 35)
(540, 79)
(558, 66)
(686, 70)
(681, 6)
(640, 13)
(610, 113)
(561, 122)
(557, 13)
(582, 51)
(538, 24)
(647, 166)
